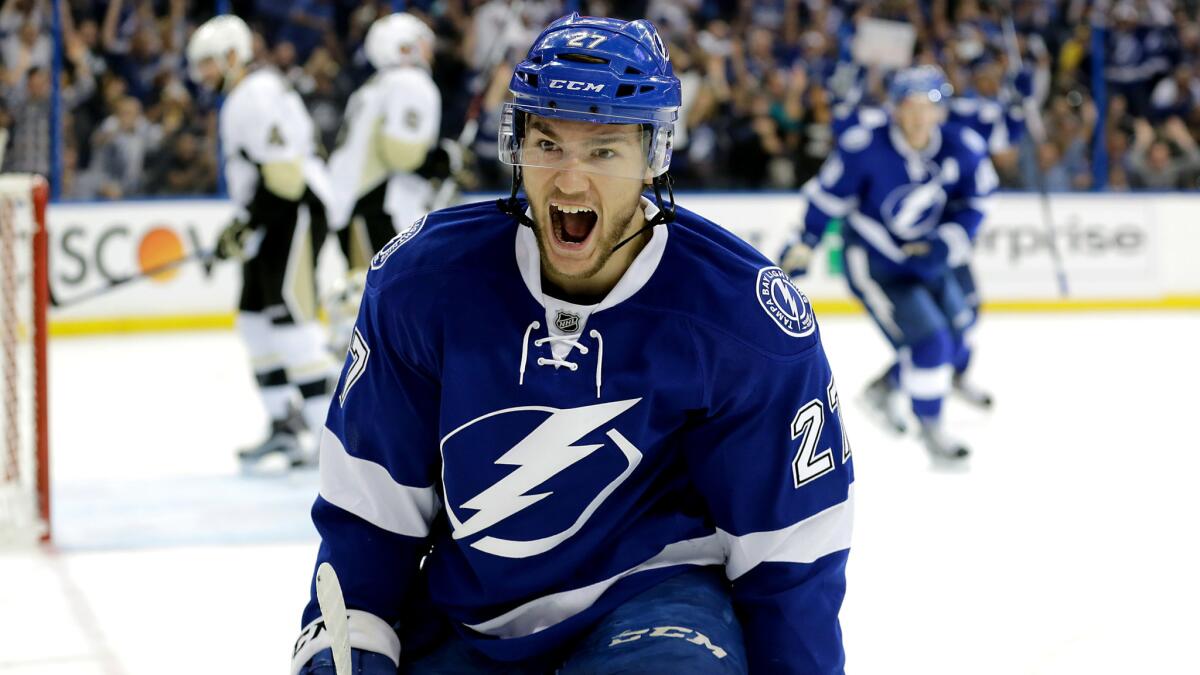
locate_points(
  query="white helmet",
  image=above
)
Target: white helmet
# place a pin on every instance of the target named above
(217, 37)
(394, 40)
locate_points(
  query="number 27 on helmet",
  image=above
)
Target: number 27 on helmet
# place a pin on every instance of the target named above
(585, 71)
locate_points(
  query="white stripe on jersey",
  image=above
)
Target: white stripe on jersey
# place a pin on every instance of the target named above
(876, 235)
(366, 489)
(878, 302)
(804, 542)
(831, 204)
(555, 608)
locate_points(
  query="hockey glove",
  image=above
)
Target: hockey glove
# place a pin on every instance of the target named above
(362, 662)
(958, 243)
(795, 258)
(443, 161)
(237, 241)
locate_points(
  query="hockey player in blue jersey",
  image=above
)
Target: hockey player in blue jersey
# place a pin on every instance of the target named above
(911, 190)
(584, 431)
(997, 114)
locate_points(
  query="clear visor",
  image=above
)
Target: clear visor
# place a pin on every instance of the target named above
(607, 145)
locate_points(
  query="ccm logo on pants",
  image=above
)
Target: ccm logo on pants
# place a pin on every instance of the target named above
(694, 637)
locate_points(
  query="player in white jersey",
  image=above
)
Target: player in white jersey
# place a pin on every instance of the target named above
(280, 187)
(390, 126)
(389, 135)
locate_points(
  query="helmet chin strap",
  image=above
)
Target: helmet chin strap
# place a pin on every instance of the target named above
(511, 205)
(666, 212)
(665, 216)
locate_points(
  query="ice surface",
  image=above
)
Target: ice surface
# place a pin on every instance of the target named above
(1069, 546)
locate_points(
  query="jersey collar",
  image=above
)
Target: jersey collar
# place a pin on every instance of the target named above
(902, 146)
(640, 270)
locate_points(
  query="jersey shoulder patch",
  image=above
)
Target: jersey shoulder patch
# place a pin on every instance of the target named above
(397, 241)
(730, 291)
(855, 139)
(455, 242)
(789, 308)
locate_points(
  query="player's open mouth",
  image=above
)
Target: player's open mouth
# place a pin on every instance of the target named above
(572, 224)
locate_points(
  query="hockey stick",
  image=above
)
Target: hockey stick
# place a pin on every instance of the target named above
(1037, 131)
(205, 257)
(333, 613)
(448, 190)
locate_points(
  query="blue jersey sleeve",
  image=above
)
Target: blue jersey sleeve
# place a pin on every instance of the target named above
(834, 191)
(771, 459)
(378, 472)
(970, 198)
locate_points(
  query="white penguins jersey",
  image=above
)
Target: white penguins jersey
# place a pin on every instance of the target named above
(263, 120)
(402, 104)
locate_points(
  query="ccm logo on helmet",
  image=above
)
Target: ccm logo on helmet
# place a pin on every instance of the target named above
(576, 86)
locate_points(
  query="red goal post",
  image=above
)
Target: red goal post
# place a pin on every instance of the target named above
(24, 300)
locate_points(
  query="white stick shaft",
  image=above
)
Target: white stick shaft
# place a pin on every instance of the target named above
(333, 613)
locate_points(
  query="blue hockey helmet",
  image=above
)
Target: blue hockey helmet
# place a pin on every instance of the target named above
(597, 70)
(926, 80)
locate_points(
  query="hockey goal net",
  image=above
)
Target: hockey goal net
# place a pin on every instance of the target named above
(24, 295)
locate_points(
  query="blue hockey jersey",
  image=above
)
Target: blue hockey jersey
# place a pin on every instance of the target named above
(552, 460)
(892, 196)
(1000, 125)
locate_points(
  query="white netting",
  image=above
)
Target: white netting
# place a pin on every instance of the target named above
(21, 255)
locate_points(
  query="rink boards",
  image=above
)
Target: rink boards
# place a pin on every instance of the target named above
(1119, 251)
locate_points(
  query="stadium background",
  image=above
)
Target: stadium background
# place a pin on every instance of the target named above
(96, 96)
(759, 80)
(1058, 553)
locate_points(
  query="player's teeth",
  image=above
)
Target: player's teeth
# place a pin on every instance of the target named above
(573, 209)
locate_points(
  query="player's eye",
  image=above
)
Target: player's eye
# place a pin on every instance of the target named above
(548, 147)
(605, 153)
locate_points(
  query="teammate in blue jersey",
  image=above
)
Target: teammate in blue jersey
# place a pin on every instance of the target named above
(912, 191)
(584, 431)
(997, 114)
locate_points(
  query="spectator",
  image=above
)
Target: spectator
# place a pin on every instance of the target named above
(817, 133)
(760, 78)
(1055, 174)
(283, 56)
(28, 103)
(308, 24)
(1150, 160)
(1134, 57)
(1175, 96)
(326, 97)
(16, 13)
(758, 150)
(141, 58)
(184, 169)
(120, 147)
(29, 47)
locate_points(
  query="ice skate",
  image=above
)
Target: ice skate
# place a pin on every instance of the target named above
(286, 440)
(941, 447)
(885, 404)
(971, 393)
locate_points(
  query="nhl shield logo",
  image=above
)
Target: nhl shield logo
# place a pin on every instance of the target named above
(567, 322)
(784, 303)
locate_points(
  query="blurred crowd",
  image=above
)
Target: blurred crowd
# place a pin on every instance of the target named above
(763, 81)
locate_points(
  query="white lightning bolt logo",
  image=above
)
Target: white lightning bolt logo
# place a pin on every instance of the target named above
(543, 454)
